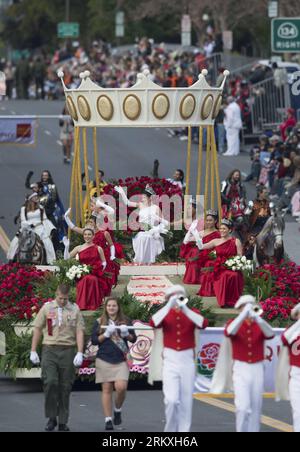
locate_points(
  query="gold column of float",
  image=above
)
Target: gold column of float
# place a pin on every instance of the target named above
(73, 176)
(86, 167)
(96, 162)
(188, 171)
(212, 169)
(79, 172)
(200, 161)
(217, 174)
(207, 171)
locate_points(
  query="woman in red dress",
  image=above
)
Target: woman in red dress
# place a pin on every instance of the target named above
(210, 233)
(196, 259)
(103, 238)
(92, 288)
(228, 284)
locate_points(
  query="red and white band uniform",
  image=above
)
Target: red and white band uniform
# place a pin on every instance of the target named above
(294, 381)
(248, 334)
(179, 325)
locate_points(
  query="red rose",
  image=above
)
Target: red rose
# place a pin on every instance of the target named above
(208, 356)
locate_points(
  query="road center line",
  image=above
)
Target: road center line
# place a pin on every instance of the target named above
(265, 420)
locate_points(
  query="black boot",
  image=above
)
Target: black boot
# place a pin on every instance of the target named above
(52, 423)
(63, 428)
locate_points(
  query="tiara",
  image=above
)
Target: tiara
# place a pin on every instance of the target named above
(227, 223)
(146, 104)
(212, 213)
(149, 190)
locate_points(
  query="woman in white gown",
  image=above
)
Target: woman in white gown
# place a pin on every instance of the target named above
(33, 216)
(148, 244)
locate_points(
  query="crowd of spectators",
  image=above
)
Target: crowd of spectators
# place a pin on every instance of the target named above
(276, 166)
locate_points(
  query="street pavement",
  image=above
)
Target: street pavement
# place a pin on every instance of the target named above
(122, 153)
(21, 410)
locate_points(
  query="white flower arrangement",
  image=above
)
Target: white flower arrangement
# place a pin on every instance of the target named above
(239, 263)
(77, 272)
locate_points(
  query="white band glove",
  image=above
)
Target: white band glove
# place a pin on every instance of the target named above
(112, 253)
(162, 313)
(34, 358)
(110, 330)
(265, 327)
(124, 331)
(197, 319)
(78, 360)
(122, 193)
(234, 327)
(70, 224)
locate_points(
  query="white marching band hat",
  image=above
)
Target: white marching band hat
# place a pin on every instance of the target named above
(295, 312)
(175, 290)
(243, 300)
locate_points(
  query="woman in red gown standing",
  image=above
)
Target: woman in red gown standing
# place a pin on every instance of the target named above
(196, 259)
(228, 284)
(92, 288)
(210, 233)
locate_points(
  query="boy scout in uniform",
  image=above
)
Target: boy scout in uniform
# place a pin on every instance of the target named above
(62, 327)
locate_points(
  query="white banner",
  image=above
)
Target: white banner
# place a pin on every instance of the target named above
(18, 130)
(209, 346)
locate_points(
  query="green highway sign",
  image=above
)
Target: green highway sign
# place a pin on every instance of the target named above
(68, 30)
(286, 35)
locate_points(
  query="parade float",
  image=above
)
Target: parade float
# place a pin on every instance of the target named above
(24, 289)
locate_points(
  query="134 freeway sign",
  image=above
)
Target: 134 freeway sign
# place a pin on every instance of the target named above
(68, 30)
(286, 35)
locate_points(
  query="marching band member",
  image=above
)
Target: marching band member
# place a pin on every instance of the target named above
(179, 325)
(288, 371)
(241, 364)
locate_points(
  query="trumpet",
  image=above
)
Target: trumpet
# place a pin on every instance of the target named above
(182, 301)
(256, 311)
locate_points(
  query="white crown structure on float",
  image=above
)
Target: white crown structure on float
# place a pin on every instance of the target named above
(146, 104)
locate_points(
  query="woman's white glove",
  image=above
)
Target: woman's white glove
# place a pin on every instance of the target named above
(78, 360)
(66, 243)
(122, 193)
(70, 224)
(102, 205)
(124, 331)
(104, 265)
(34, 358)
(187, 238)
(112, 253)
(199, 243)
(110, 330)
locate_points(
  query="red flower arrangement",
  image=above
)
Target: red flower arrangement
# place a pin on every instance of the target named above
(17, 298)
(285, 291)
(278, 309)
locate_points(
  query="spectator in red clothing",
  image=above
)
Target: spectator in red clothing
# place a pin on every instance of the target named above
(288, 124)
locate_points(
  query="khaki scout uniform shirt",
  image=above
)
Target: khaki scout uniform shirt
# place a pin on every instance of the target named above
(65, 323)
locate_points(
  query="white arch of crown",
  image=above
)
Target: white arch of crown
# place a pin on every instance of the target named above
(145, 104)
